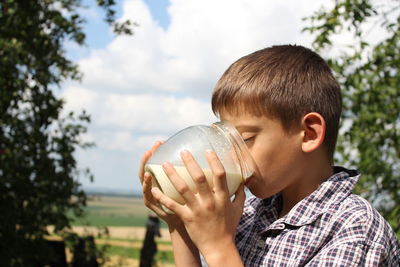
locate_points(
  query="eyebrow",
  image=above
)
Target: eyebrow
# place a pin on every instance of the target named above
(251, 128)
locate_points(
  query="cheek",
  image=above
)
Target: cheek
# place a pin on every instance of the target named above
(274, 156)
(262, 156)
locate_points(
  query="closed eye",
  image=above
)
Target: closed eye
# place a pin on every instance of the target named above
(248, 136)
(248, 139)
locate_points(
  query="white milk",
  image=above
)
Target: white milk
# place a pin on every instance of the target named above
(163, 182)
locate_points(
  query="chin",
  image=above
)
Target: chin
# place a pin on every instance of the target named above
(258, 192)
(255, 191)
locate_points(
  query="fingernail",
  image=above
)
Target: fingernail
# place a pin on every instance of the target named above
(185, 153)
(166, 165)
(155, 191)
(209, 151)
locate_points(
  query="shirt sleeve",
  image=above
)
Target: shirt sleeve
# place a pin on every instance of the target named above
(364, 240)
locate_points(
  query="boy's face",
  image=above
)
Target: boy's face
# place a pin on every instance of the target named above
(277, 154)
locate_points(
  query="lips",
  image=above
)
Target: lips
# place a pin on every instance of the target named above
(248, 181)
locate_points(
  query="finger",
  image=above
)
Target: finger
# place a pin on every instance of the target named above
(148, 198)
(147, 155)
(156, 145)
(179, 184)
(218, 171)
(196, 173)
(144, 159)
(240, 197)
(166, 201)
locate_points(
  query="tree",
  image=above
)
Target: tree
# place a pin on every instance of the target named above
(38, 171)
(368, 70)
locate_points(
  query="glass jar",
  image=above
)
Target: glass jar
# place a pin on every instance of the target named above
(219, 137)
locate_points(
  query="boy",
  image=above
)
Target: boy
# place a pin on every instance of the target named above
(286, 104)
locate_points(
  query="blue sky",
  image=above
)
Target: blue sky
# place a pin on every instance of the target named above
(150, 85)
(97, 31)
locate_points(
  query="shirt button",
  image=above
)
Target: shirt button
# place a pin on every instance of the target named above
(260, 243)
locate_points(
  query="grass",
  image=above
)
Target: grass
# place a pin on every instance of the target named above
(134, 253)
(161, 242)
(125, 252)
(96, 219)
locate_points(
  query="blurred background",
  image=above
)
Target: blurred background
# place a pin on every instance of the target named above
(87, 86)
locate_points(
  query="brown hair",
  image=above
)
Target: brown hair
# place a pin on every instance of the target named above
(284, 82)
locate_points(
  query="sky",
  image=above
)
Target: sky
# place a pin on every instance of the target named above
(146, 87)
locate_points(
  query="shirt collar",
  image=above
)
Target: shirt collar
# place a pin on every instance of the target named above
(328, 196)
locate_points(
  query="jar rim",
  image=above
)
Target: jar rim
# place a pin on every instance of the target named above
(243, 153)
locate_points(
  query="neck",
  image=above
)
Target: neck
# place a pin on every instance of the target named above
(307, 182)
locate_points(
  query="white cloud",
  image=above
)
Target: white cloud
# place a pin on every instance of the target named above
(140, 112)
(143, 143)
(204, 37)
(78, 98)
(117, 140)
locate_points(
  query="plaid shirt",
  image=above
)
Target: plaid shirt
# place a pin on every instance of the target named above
(330, 227)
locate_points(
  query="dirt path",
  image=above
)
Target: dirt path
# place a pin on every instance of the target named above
(116, 261)
(131, 244)
(136, 233)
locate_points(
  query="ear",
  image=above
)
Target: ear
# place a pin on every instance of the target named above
(314, 129)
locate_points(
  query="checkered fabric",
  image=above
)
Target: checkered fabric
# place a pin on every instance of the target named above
(330, 227)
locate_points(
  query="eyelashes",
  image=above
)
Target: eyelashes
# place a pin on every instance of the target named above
(248, 139)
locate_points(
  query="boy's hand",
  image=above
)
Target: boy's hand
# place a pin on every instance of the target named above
(209, 216)
(149, 201)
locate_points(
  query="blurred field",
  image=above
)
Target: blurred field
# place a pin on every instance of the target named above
(114, 211)
(125, 218)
